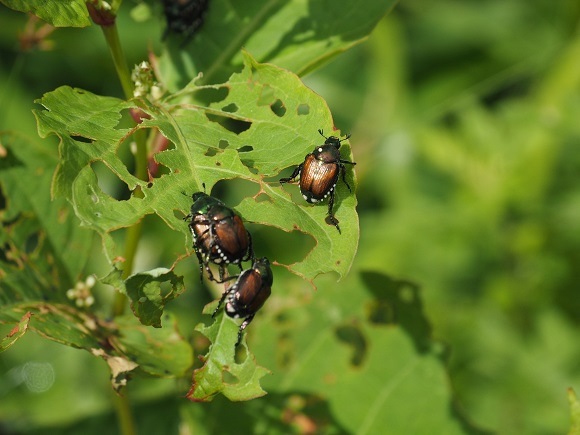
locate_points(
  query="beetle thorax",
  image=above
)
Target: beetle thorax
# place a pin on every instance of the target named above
(327, 154)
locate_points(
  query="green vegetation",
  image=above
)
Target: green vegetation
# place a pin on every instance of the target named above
(447, 305)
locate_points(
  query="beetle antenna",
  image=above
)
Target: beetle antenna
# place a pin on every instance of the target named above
(347, 137)
(321, 133)
(183, 193)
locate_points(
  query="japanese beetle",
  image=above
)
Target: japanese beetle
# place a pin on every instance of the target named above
(184, 17)
(247, 295)
(319, 173)
(219, 235)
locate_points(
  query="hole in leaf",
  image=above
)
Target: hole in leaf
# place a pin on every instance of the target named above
(230, 108)
(157, 170)
(229, 377)
(303, 109)
(297, 244)
(292, 188)
(236, 126)
(241, 354)
(151, 253)
(109, 183)
(232, 192)
(126, 153)
(212, 95)
(178, 214)
(352, 335)
(249, 163)
(160, 143)
(278, 108)
(212, 152)
(262, 197)
(32, 242)
(81, 139)
(223, 144)
(137, 115)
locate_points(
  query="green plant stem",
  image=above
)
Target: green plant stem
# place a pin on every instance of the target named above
(134, 232)
(126, 421)
(112, 37)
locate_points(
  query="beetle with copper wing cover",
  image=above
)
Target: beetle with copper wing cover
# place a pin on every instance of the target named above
(247, 295)
(319, 174)
(219, 235)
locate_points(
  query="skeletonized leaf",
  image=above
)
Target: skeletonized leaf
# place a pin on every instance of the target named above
(267, 121)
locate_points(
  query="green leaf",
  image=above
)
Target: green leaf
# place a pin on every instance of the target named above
(43, 247)
(18, 331)
(44, 253)
(61, 323)
(59, 13)
(147, 293)
(365, 348)
(160, 352)
(205, 148)
(296, 35)
(220, 372)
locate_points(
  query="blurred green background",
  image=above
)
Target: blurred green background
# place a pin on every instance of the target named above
(465, 124)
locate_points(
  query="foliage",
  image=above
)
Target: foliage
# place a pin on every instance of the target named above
(463, 120)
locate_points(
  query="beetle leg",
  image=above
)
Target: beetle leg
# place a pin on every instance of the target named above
(222, 299)
(331, 217)
(201, 263)
(343, 172)
(250, 250)
(294, 174)
(209, 272)
(243, 326)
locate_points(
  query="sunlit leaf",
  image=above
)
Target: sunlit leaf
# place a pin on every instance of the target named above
(59, 13)
(296, 35)
(239, 135)
(220, 372)
(148, 292)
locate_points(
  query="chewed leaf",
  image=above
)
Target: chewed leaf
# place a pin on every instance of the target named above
(220, 372)
(18, 331)
(159, 352)
(260, 122)
(148, 292)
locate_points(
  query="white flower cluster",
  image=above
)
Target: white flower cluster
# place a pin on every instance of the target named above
(145, 84)
(81, 293)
